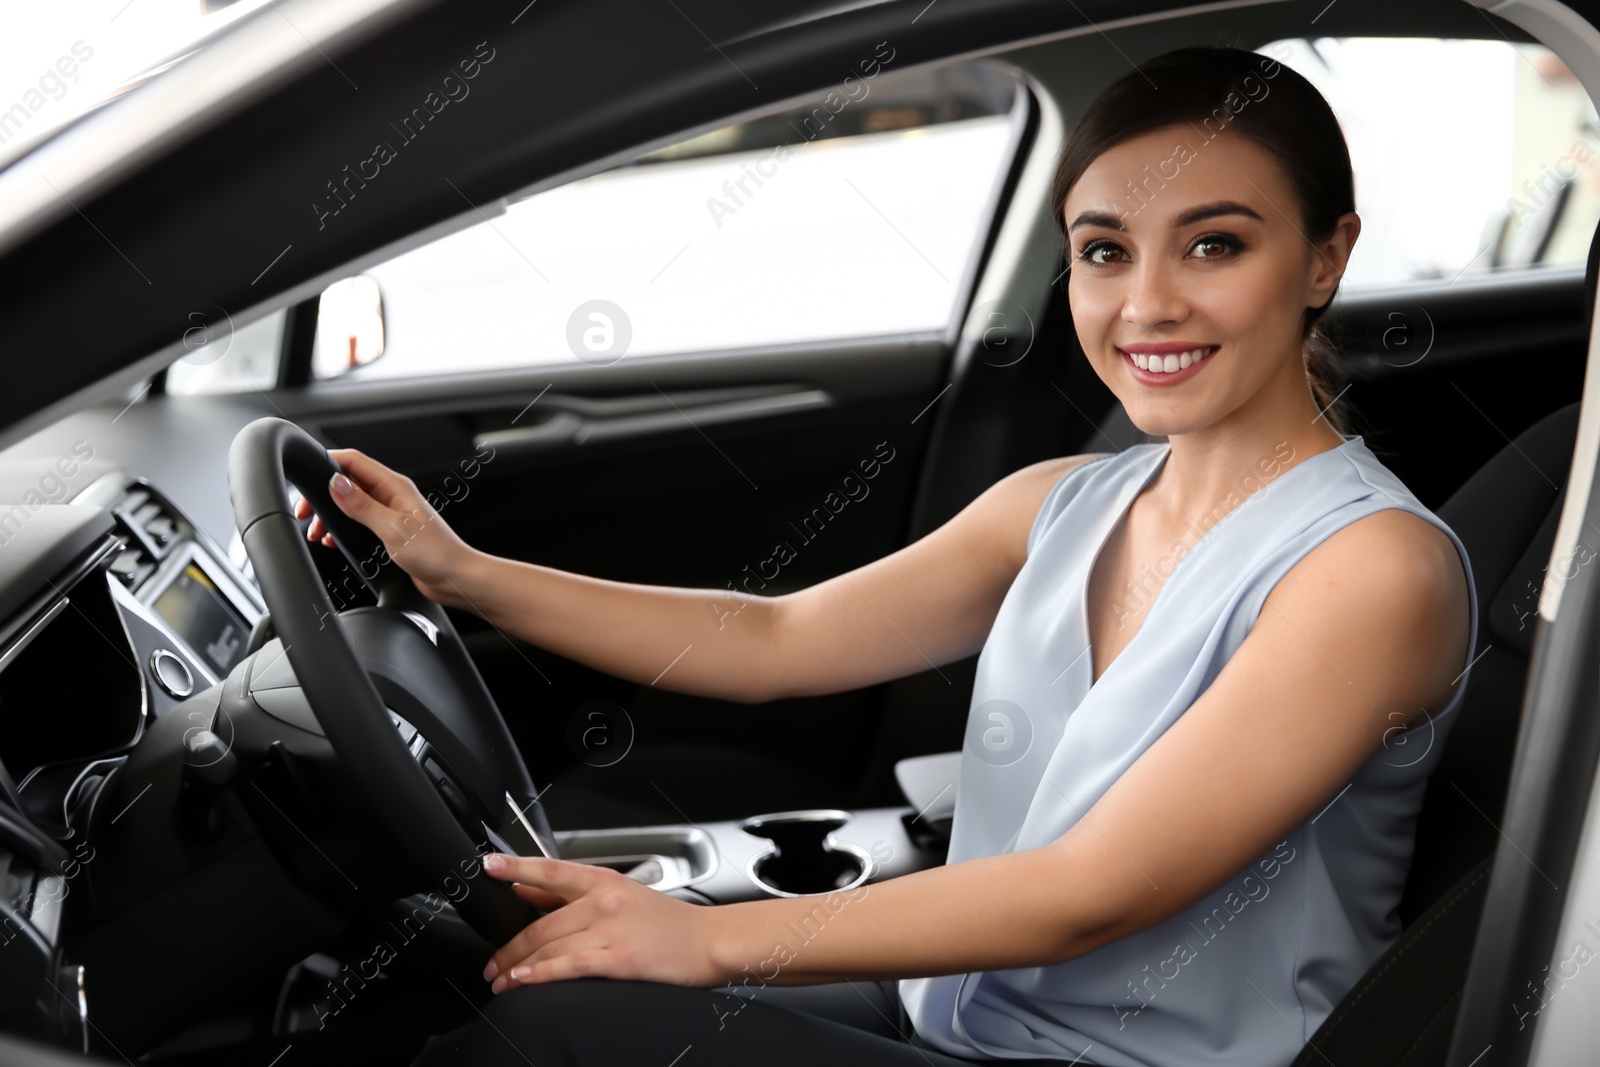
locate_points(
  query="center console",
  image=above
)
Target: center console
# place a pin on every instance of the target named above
(785, 854)
(186, 609)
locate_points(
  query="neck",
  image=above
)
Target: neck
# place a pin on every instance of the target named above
(1210, 470)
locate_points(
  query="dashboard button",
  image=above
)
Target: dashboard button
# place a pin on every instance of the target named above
(448, 788)
(407, 731)
(171, 673)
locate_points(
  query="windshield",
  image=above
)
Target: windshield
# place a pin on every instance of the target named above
(61, 60)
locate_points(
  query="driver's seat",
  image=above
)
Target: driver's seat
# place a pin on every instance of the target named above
(1403, 1011)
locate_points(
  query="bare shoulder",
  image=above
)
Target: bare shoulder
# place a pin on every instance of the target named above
(1392, 553)
(1390, 590)
(1018, 496)
(1032, 483)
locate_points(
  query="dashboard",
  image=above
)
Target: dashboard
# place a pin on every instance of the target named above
(171, 577)
(114, 608)
(147, 611)
(126, 635)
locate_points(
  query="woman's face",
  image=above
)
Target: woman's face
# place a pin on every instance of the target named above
(1180, 245)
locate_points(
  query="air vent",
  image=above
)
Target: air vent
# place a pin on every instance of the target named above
(151, 528)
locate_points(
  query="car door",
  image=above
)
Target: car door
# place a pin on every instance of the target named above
(711, 368)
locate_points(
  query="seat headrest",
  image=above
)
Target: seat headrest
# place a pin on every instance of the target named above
(1506, 517)
(1515, 609)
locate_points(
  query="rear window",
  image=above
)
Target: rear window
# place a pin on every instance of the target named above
(1469, 156)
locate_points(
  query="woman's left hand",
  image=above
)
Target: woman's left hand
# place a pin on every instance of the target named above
(600, 923)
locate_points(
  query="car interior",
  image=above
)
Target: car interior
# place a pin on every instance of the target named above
(215, 850)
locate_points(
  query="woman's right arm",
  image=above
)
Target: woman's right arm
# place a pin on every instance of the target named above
(927, 604)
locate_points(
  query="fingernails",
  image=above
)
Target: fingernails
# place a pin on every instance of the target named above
(339, 484)
(499, 984)
(491, 972)
(494, 863)
(519, 974)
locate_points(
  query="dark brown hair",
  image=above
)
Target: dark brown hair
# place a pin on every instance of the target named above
(1246, 94)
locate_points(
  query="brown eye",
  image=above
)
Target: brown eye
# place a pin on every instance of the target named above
(1092, 252)
(1217, 246)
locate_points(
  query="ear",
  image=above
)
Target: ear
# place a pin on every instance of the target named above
(1330, 259)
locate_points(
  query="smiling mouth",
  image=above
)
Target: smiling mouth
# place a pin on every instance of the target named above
(1172, 362)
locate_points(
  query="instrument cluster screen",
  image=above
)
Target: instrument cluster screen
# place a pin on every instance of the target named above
(199, 614)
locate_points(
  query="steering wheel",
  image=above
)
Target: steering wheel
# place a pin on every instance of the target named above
(268, 455)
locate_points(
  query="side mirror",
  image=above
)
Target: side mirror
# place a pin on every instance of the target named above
(350, 327)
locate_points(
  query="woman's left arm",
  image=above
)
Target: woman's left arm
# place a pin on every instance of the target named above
(1366, 635)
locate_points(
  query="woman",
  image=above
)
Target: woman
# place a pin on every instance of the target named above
(1185, 813)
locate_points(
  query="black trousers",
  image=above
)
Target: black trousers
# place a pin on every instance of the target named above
(602, 1021)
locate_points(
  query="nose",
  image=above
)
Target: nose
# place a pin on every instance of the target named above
(1153, 298)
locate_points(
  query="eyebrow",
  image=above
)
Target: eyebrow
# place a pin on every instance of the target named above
(1097, 218)
(1212, 210)
(1195, 214)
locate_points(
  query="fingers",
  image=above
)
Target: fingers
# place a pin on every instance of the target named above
(371, 491)
(580, 955)
(548, 884)
(356, 502)
(382, 484)
(563, 877)
(317, 531)
(559, 924)
(542, 899)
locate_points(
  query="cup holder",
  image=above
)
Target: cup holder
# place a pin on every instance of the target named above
(803, 858)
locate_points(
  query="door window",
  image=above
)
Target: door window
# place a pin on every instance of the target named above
(852, 215)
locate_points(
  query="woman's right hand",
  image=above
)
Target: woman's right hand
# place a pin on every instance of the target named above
(390, 505)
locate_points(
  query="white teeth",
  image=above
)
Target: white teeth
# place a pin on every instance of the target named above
(1171, 363)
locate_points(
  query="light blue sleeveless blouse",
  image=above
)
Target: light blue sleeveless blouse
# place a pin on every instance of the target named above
(1245, 975)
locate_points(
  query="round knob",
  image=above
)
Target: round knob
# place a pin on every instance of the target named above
(171, 673)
